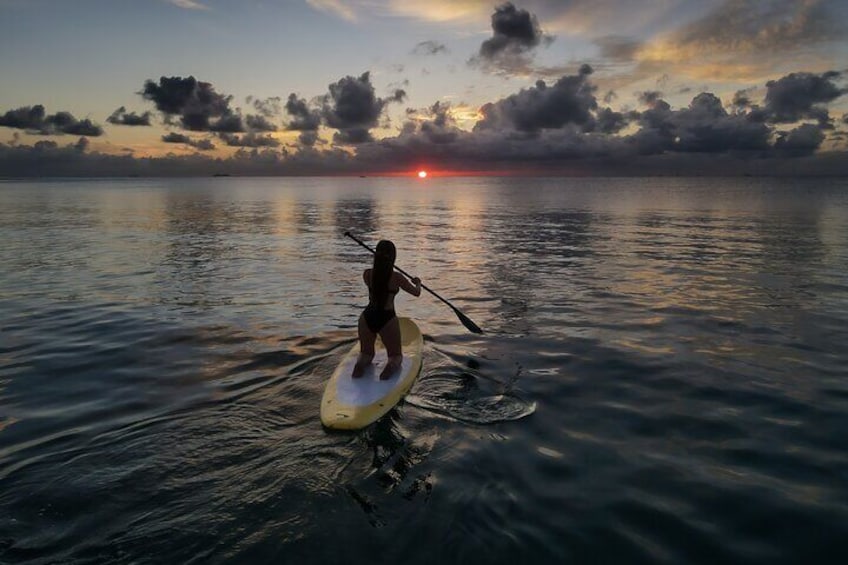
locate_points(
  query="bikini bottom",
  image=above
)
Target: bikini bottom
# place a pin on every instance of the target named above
(377, 318)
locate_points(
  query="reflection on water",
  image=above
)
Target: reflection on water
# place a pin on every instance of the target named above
(662, 377)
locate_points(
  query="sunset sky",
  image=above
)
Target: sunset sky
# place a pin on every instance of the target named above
(116, 87)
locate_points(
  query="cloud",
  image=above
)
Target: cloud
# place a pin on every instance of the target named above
(250, 139)
(259, 123)
(188, 4)
(617, 47)
(196, 103)
(704, 126)
(64, 122)
(25, 117)
(306, 120)
(334, 7)
(429, 48)
(202, 144)
(428, 10)
(570, 100)
(123, 118)
(435, 124)
(609, 121)
(268, 107)
(801, 95)
(353, 108)
(560, 127)
(201, 108)
(228, 123)
(515, 34)
(742, 40)
(650, 97)
(742, 98)
(550, 127)
(743, 26)
(34, 119)
(801, 141)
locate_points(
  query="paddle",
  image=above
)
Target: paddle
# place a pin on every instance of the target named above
(466, 321)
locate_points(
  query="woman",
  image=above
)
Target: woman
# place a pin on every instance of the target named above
(379, 316)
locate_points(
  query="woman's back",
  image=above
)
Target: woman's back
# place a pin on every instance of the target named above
(392, 290)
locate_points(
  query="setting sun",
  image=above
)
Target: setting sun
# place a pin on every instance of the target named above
(422, 174)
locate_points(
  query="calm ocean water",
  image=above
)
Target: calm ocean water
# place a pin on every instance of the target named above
(663, 377)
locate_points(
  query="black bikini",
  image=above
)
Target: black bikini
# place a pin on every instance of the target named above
(376, 318)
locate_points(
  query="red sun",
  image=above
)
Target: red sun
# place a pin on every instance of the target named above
(422, 174)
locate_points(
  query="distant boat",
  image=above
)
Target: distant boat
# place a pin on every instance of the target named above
(221, 175)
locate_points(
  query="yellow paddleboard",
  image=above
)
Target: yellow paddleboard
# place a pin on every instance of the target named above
(351, 404)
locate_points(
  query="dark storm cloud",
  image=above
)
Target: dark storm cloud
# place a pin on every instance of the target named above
(610, 121)
(257, 122)
(515, 34)
(742, 99)
(704, 126)
(353, 108)
(429, 48)
(435, 124)
(196, 103)
(66, 123)
(201, 108)
(121, 117)
(249, 139)
(34, 119)
(547, 128)
(799, 142)
(25, 117)
(306, 120)
(650, 97)
(268, 107)
(799, 96)
(201, 144)
(308, 138)
(230, 123)
(513, 30)
(570, 100)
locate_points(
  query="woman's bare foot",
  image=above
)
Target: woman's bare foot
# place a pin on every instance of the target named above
(391, 367)
(361, 364)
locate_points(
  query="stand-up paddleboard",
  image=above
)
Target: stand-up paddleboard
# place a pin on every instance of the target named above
(350, 404)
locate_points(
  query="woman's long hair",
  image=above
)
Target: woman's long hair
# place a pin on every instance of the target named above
(381, 272)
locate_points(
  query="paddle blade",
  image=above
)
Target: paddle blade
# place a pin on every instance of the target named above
(466, 321)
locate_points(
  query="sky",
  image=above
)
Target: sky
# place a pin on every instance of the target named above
(373, 87)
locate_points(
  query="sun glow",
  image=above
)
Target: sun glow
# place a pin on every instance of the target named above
(422, 174)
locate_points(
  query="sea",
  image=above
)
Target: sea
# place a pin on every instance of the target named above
(662, 377)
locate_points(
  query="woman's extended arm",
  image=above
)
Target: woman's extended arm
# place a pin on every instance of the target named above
(413, 288)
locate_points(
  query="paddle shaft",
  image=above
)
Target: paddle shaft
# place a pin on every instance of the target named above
(466, 321)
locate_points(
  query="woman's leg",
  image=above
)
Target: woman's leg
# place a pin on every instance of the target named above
(366, 348)
(390, 334)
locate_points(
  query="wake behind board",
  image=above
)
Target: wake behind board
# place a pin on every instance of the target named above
(351, 404)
